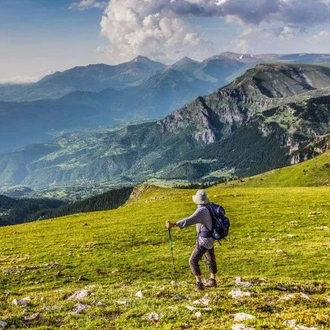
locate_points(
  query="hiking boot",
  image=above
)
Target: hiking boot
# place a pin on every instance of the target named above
(211, 283)
(199, 286)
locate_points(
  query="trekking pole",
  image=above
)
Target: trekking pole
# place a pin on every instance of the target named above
(171, 247)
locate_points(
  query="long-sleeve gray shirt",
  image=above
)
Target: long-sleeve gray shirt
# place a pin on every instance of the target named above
(203, 221)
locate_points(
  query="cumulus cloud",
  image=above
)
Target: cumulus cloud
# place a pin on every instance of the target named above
(165, 29)
(287, 32)
(87, 4)
(160, 29)
(321, 36)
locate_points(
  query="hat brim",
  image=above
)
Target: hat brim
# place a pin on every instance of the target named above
(197, 200)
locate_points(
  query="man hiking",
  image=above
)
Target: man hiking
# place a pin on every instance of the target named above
(205, 243)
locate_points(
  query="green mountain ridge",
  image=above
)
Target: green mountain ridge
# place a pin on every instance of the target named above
(101, 95)
(310, 173)
(250, 126)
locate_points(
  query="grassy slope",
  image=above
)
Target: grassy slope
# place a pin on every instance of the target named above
(311, 173)
(278, 235)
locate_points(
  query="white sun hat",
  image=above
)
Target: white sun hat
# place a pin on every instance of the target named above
(200, 198)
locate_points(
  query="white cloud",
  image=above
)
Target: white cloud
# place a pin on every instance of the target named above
(255, 40)
(25, 79)
(19, 80)
(321, 36)
(160, 29)
(164, 29)
(247, 41)
(302, 13)
(87, 4)
(287, 33)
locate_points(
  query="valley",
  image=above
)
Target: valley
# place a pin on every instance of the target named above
(112, 269)
(272, 116)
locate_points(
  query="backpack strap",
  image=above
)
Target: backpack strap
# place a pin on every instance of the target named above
(207, 233)
(209, 207)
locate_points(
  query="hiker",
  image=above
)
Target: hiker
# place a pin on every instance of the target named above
(205, 242)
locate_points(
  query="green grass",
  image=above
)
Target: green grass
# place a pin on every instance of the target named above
(278, 236)
(310, 173)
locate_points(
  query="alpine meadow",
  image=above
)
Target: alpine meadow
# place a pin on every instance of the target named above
(113, 269)
(123, 122)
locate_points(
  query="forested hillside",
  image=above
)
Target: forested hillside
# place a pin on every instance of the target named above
(16, 211)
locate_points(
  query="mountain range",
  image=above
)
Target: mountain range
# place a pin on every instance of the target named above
(272, 116)
(101, 95)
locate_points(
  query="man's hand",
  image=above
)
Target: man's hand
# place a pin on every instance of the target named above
(170, 224)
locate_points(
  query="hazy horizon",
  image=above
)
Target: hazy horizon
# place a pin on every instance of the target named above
(39, 38)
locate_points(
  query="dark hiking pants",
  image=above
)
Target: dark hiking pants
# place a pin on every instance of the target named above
(197, 255)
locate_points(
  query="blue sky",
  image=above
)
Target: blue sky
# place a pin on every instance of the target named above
(39, 36)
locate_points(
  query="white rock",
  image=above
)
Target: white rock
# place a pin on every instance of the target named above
(121, 302)
(21, 302)
(239, 317)
(32, 317)
(202, 301)
(280, 287)
(79, 295)
(293, 325)
(290, 323)
(179, 297)
(191, 308)
(289, 296)
(305, 296)
(293, 295)
(237, 293)
(328, 300)
(79, 308)
(3, 324)
(239, 282)
(198, 314)
(139, 294)
(153, 317)
(240, 326)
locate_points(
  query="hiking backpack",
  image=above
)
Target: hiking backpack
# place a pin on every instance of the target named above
(220, 223)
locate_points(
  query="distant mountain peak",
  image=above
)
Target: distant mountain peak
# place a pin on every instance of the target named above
(184, 60)
(146, 62)
(142, 59)
(233, 56)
